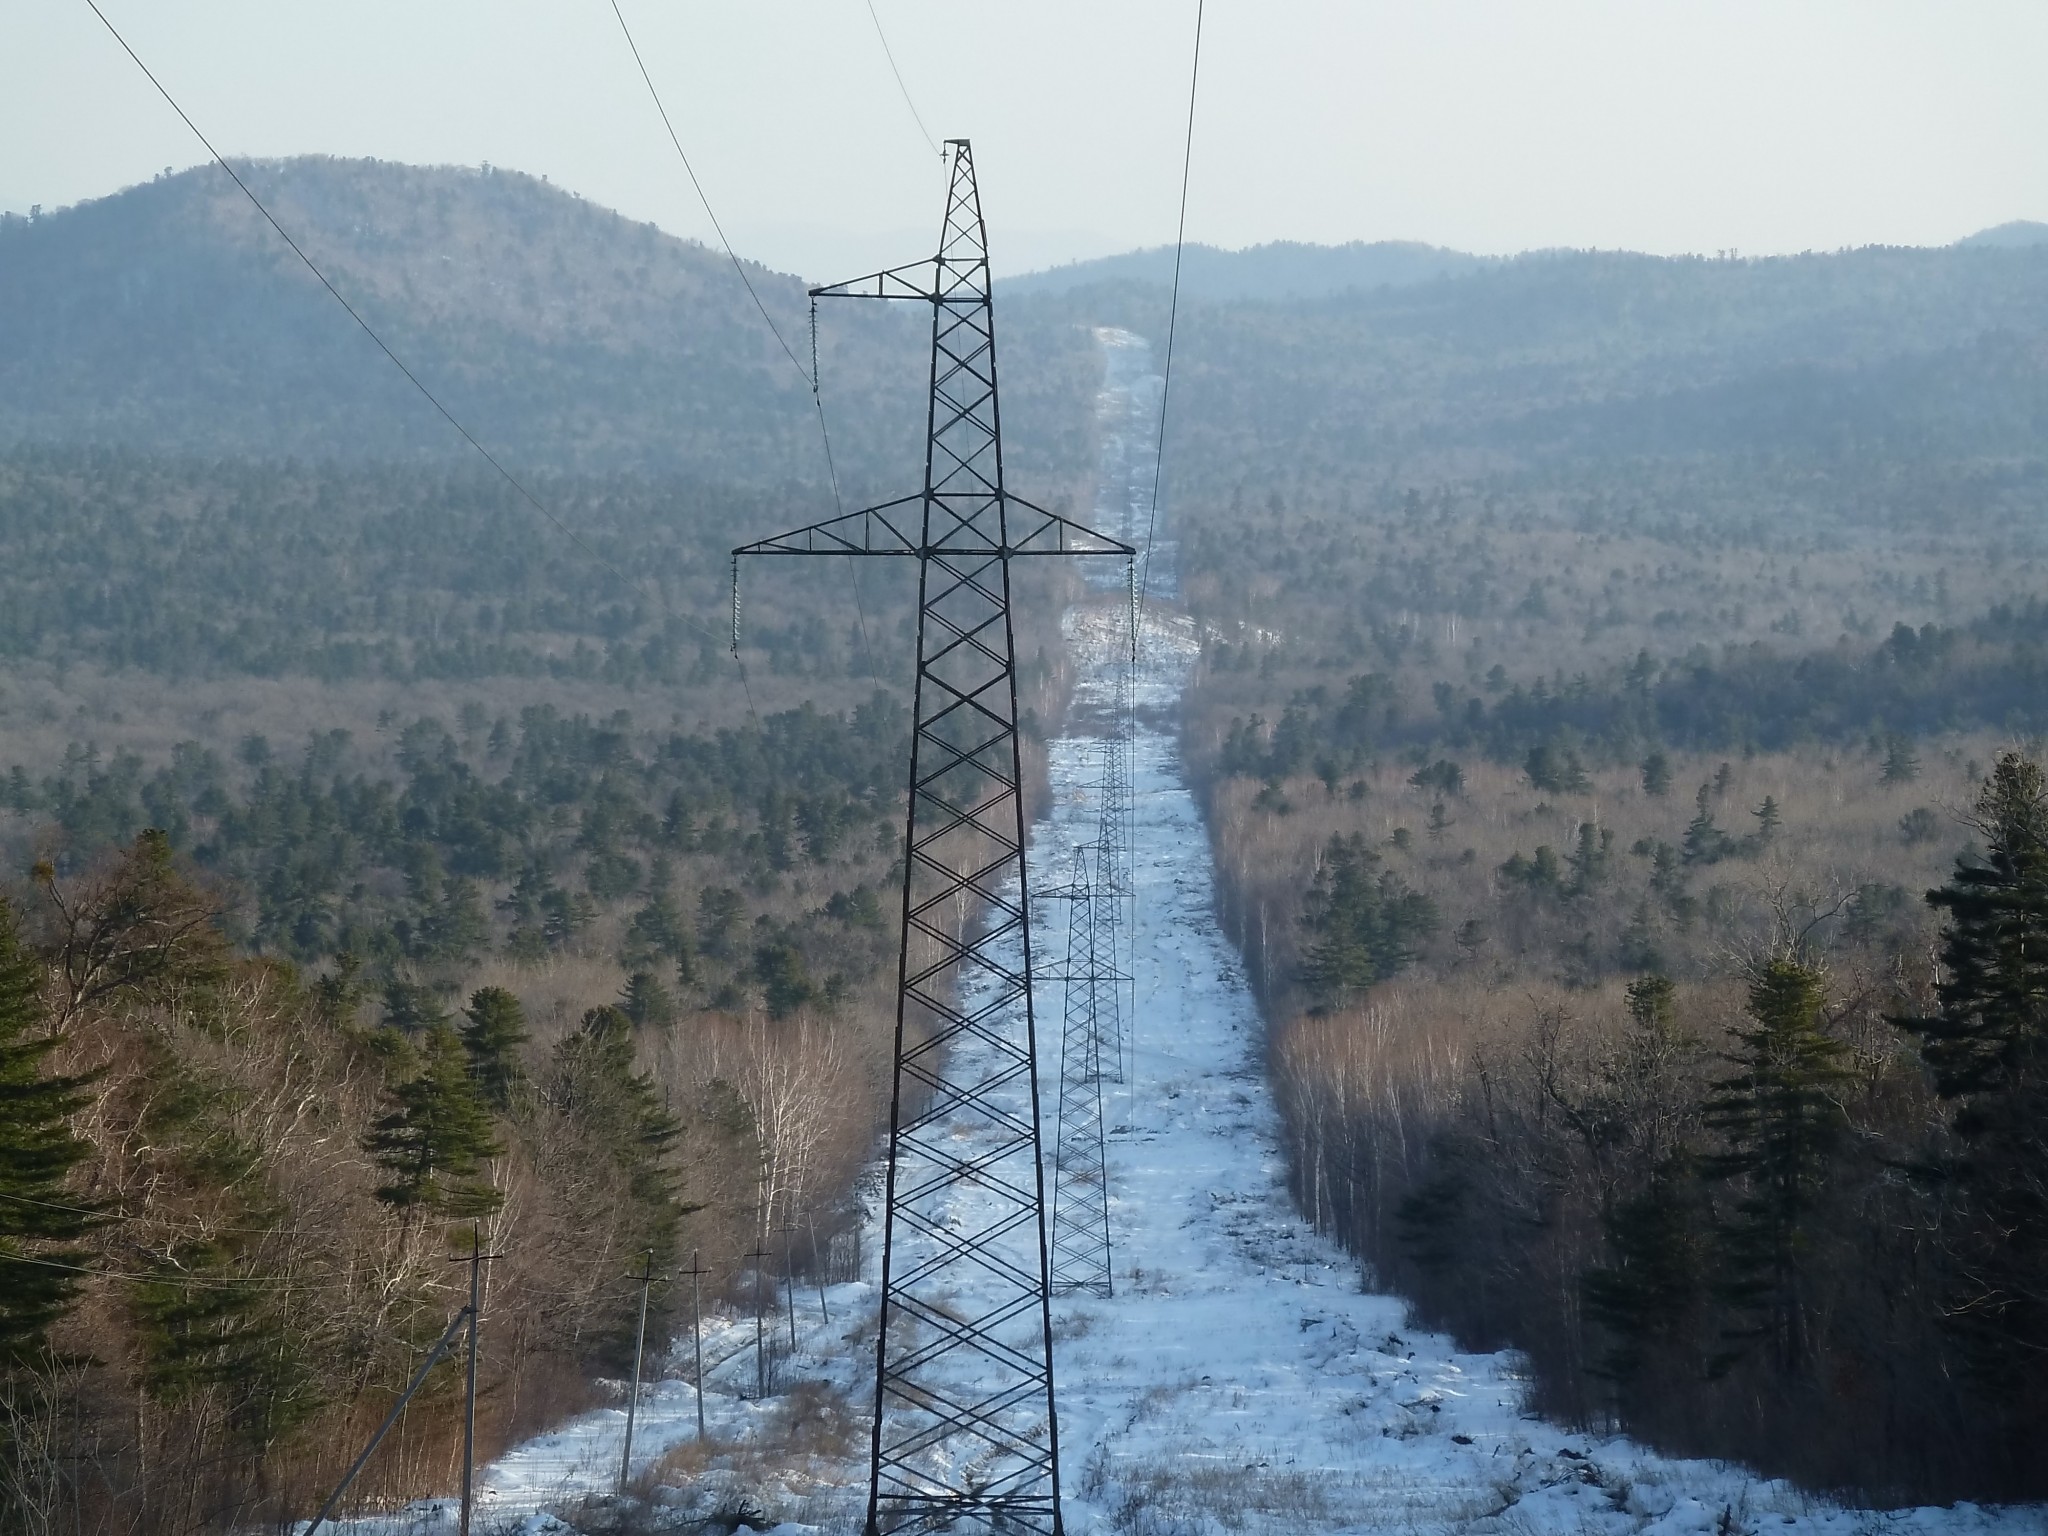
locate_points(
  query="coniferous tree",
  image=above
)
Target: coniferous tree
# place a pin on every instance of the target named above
(621, 1112)
(1704, 842)
(1780, 1121)
(1900, 765)
(37, 1151)
(438, 1137)
(1987, 1046)
(1367, 924)
(1768, 819)
(647, 1002)
(1656, 775)
(492, 1035)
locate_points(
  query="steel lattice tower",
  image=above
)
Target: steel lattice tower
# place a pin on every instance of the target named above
(965, 1423)
(1116, 892)
(1080, 1198)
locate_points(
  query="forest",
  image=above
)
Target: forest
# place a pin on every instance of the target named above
(1627, 892)
(1619, 720)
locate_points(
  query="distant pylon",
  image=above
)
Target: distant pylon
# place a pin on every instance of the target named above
(1080, 1191)
(965, 1421)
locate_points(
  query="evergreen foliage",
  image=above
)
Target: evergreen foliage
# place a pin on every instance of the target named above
(494, 1030)
(1987, 1047)
(1780, 1118)
(438, 1136)
(1367, 924)
(40, 1218)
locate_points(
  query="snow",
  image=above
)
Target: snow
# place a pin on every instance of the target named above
(1239, 1379)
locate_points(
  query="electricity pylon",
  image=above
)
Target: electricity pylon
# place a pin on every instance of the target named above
(1080, 1186)
(965, 1422)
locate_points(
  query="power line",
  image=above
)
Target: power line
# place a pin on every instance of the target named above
(890, 54)
(231, 1283)
(356, 315)
(737, 266)
(810, 375)
(1172, 312)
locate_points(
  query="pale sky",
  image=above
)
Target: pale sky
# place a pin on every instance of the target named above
(1489, 125)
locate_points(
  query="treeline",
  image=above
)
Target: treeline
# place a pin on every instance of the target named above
(207, 569)
(285, 1029)
(1923, 682)
(231, 1210)
(524, 839)
(1797, 1217)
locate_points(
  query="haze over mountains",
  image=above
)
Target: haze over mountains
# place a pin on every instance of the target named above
(168, 317)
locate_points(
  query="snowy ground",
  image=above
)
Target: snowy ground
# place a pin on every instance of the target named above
(1239, 1380)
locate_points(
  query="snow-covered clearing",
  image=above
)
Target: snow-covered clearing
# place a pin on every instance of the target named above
(1239, 1380)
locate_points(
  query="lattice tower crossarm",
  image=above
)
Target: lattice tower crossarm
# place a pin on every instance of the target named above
(965, 1420)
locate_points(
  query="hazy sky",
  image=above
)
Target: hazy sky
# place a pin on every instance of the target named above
(1492, 125)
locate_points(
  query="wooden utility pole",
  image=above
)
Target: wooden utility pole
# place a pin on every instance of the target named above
(760, 1328)
(646, 1279)
(476, 1261)
(696, 1273)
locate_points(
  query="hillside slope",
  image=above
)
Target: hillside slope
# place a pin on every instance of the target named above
(170, 318)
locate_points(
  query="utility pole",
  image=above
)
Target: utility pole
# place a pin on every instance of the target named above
(696, 1272)
(965, 1423)
(476, 1261)
(760, 1255)
(646, 1279)
(789, 1230)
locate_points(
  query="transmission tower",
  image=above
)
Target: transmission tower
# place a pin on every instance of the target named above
(965, 1423)
(1080, 1198)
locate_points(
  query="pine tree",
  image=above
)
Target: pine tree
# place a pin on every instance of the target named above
(1987, 1046)
(1704, 842)
(621, 1112)
(1900, 765)
(1768, 820)
(1656, 775)
(647, 1002)
(1650, 1296)
(1780, 1124)
(1367, 923)
(495, 1030)
(436, 1140)
(37, 1151)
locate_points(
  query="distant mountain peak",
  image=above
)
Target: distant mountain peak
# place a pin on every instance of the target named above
(2018, 232)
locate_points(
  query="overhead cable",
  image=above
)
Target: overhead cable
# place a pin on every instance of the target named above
(356, 315)
(808, 375)
(890, 54)
(1172, 312)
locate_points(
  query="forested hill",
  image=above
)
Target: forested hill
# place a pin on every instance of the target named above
(1282, 269)
(170, 317)
(1880, 355)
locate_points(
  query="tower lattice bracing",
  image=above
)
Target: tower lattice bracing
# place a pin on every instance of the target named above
(965, 1425)
(1115, 889)
(1080, 1201)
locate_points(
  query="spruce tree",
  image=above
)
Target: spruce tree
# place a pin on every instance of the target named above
(1780, 1123)
(492, 1035)
(1987, 1046)
(38, 1213)
(438, 1136)
(1367, 924)
(621, 1114)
